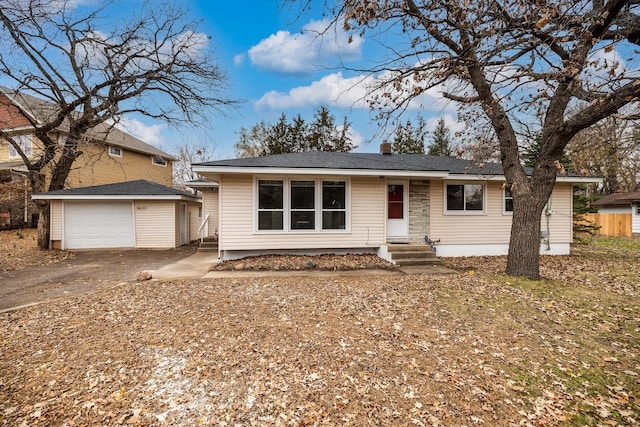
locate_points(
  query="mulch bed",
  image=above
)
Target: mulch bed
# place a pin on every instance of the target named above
(326, 262)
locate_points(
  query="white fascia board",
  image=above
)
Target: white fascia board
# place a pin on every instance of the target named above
(318, 171)
(579, 179)
(575, 179)
(202, 184)
(44, 196)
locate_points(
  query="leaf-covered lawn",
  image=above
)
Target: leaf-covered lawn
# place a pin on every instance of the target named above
(473, 348)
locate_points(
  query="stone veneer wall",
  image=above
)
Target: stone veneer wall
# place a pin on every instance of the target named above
(418, 210)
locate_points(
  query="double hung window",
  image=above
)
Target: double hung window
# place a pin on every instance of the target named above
(334, 209)
(25, 142)
(508, 200)
(301, 205)
(270, 205)
(303, 214)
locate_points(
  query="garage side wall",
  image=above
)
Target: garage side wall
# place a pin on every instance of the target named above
(56, 224)
(154, 224)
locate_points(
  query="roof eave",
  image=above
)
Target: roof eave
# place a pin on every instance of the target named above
(315, 171)
(45, 196)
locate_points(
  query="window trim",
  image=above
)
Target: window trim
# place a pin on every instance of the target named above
(286, 204)
(504, 202)
(18, 138)
(119, 151)
(465, 212)
(163, 164)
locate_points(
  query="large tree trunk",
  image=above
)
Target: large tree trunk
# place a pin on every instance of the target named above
(44, 224)
(529, 202)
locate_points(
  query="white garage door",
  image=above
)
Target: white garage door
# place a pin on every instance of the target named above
(93, 225)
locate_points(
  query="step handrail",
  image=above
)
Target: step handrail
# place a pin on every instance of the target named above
(204, 225)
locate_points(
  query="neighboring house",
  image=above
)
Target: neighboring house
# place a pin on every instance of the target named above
(622, 204)
(343, 202)
(110, 156)
(132, 214)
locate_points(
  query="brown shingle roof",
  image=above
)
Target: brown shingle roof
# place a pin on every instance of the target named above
(618, 199)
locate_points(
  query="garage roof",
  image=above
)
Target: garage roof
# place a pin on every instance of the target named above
(139, 190)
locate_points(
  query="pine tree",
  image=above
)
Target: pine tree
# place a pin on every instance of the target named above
(441, 141)
(409, 139)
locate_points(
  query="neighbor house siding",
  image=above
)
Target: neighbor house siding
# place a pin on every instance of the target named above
(614, 210)
(95, 167)
(367, 218)
(494, 227)
(154, 224)
(635, 219)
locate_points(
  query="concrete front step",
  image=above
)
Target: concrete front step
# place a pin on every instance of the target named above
(208, 249)
(208, 244)
(418, 262)
(412, 255)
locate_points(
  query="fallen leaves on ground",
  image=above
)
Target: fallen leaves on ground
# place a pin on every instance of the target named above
(19, 249)
(331, 262)
(468, 349)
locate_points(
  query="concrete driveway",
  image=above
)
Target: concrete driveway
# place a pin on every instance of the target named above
(87, 272)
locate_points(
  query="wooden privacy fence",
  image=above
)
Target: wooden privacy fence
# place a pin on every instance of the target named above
(618, 225)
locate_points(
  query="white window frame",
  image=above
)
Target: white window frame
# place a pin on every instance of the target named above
(465, 212)
(504, 201)
(22, 141)
(286, 205)
(155, 163)
(117, 153)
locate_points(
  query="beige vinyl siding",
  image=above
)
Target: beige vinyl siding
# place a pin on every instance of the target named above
(154, 224)
(494, 227)
(176, 224)
(96, 167)
(194, 221)
(211, 206)
(561, 218)
(56, 220)
(237, 209)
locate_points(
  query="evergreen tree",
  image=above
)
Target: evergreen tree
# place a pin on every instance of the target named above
(410, 139)
(278, 137)
(283, 137)
(441, 141)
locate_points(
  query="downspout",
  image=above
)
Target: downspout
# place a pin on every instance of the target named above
(548, 213)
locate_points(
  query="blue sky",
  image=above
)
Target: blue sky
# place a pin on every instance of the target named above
(276, 65)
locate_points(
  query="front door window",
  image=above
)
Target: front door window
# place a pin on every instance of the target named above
(395, 198)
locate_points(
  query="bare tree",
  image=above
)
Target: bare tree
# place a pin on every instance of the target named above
(569, 63)
(187, 154)
(610, 149)
(91, 71)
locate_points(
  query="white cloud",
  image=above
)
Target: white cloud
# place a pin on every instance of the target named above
(238, 59)
(151, 134)
(319, 45)
(347, 92)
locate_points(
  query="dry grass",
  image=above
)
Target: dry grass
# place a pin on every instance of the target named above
(474, 348)
(19, 249)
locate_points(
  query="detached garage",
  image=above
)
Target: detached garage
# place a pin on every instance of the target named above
(134, 214)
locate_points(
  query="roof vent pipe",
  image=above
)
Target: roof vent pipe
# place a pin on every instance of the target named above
(385, 148)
